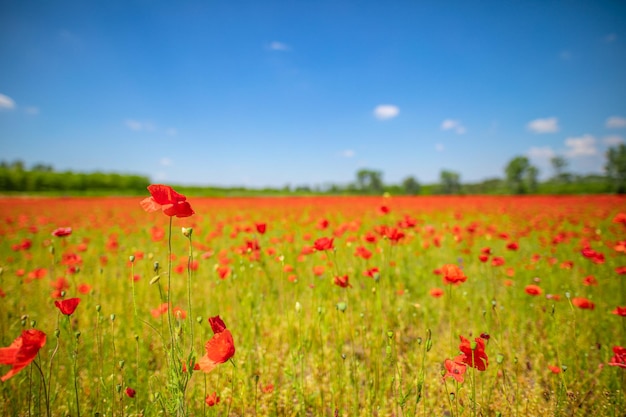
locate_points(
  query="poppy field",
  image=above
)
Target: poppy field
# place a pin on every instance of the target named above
(313, 306)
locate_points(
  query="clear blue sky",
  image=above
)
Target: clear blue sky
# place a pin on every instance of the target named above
(269, 93)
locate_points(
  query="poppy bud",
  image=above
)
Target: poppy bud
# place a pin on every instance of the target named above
(187, 231)
(33, 323)
(57, 333)
(342, 306)
(156, 266)
(132, 258)
(298, 307)
(77, 335)
(98, 308)
(112, 317)
(499, 358)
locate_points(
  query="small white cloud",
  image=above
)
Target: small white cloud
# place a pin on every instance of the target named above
(439, 147)
(348, 153)
(278, 46)
(172, 131)
(450, 124)
(615, 122)
(544, 152)
(137, 126)
(31, 110)
(613, 140)
(165, 162)
(547, 125)
(386, 111)
(581, 146)
(6, 102)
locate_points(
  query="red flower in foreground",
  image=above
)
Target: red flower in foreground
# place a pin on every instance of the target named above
(620, 311)
(583, 303)
(219, 348)
(163, 197)
(323, 243)
(62, 232)
(533, 289)
(22, 351)
(455, 368)
(212, 399)
(68, 306)
(343, 281)
(619, 357)
(452, 274)
(475, 357)
(261, 227)
(130, 392)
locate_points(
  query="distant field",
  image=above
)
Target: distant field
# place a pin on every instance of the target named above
(350, 306)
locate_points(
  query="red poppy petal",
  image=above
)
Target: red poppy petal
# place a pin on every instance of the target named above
(164, 194)
(220, 347)
(149, 205)
(179, 210)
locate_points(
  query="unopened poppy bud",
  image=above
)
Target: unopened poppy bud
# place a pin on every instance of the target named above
(155, 279)
(390, 334)
(499, 358)
(452, 396)
(136, 338)
(564, 368)
(118, 388)
(77, 335)
(33, 323)
(419, 340)
(98, 308)
(121, 364)
(343, 356)
(57, 333)
(567, 295)
(132, 258)
(473, 345)
(199, 320)
(429, 345)
(51, 250)
(187, 231)
(62, 294)
(342, 306)
(112, 317)
(298, 307)
(156, 266)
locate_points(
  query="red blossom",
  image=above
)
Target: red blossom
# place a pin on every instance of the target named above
(219, 348)
(452, 274)
(533, 289)
(323, 243)
(343, 281)
(62, 232)
(261, 227)
(583, 303)
(164, 198)
(130, 392)
(620, 311)
(475, 357)
(22, 351)
(68, 306)
(212, 399)
(619, 357)
(455, 368)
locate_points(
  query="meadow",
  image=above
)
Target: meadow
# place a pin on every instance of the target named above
(318, 306)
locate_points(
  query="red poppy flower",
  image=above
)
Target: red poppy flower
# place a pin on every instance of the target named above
(583, 303)
(590, 280)
(68, 306)
(363, 252)
(620, 311)
(555, 369)
(452, 274)
(619, 357)
(620, 218)
(476, 357)
(62, 232)
(22, 351)
(323, 243)
(261, 227)
(343, 281)
(164, 198)
(219, 348)
(455, 368)
(533, 289)
(130, 392)
(212, 399)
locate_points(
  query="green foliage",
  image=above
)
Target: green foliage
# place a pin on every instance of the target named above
(521, 176)
(450, 182)
(616, 168)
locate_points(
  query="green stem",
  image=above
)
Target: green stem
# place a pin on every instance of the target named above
(45, 390)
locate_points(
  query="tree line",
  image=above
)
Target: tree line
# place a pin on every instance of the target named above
(520, 177)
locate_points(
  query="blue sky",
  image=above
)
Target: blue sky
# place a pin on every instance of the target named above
(270, 93)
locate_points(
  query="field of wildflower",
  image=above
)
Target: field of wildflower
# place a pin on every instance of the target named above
(313, 306)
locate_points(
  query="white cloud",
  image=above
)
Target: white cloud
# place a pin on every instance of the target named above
(581, 146)
(547, 125)
(613, 140)
(386, 111)
(615, 122)
(32, 110)
(455, 125)
(348, 153)
(6, 102)
(544, 152)
(439, 147)
(165, 162)
(278, 46)
(137, 126)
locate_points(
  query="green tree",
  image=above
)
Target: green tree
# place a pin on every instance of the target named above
(370, 181)
(450, 182)
(615, 168)
(521, 176)
(411, 186)
(559, 164)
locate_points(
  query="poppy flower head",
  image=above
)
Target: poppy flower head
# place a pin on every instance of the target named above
(533, 289)
(620, 311)
(22, 351)
(220, 348)
(343, 281)
(62, 232)
(323, 243)
(583, 303)
(68, 306)
(452, 274)
(130, 392)
(619, 357)
(474, 353)
(164, 198)
(455, 368)
(212, 399)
